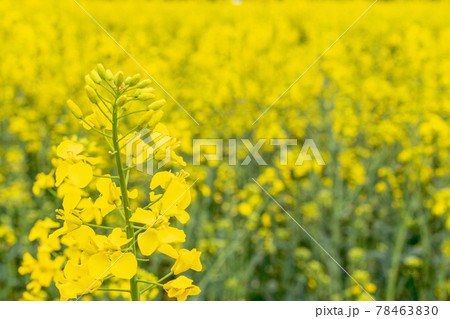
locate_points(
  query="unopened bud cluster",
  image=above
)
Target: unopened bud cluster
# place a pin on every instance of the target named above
(107, 91)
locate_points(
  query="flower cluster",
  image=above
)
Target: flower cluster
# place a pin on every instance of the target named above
(102, 236)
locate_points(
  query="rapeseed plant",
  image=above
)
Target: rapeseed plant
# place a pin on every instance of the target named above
(74, 255)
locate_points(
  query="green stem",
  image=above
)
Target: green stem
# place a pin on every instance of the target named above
(165, 277)
(155, 284)
(109, 91)
(150, 282)
(103, 112)
(146, 288)
(129, 132)
(152, 203)
(138, 231)
(149, 158)
(125, 201)
(98, 131)
(396, 258)
(104, 103)
(126, 114)
(106, 176)
(99, 226)
(112, 289)
(109, 84)
(52, 191)
(108, 141)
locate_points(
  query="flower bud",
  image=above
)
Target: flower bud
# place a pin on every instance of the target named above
(135, 79)
(146, 90)
(89, 81)
(121, 100)
(109, 75)
(95, 77)
(118, 79)
(145, 96)
(101, 71)
(157, 104)
(75, 109)
(143, 84)
(145, 119)
(92, 95)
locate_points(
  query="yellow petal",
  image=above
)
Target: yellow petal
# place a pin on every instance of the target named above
(118, 238)
(133, 194)
(73, 271)
(172, 235)
(168, 250)
(61, 172)
(161, 179)
(98, 265)
(124, 265)
(173, 195)
(71, 201)
(103, 185)
(148, 242)
(142, 216)
(80, 174)
(68, 149)
(182, 216)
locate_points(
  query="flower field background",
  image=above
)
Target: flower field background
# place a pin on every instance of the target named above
(377, 105)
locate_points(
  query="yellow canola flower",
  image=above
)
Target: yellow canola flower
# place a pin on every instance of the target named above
(180, 288)
(41, 229)
(7, 234)
(43, 181)
(41, 270)
(73, 169)
(109, 198)
(176, 197)
(98, 257)
(69, 150)
(122, 266)
(187, 260)
(160, 239)
(75, 280)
